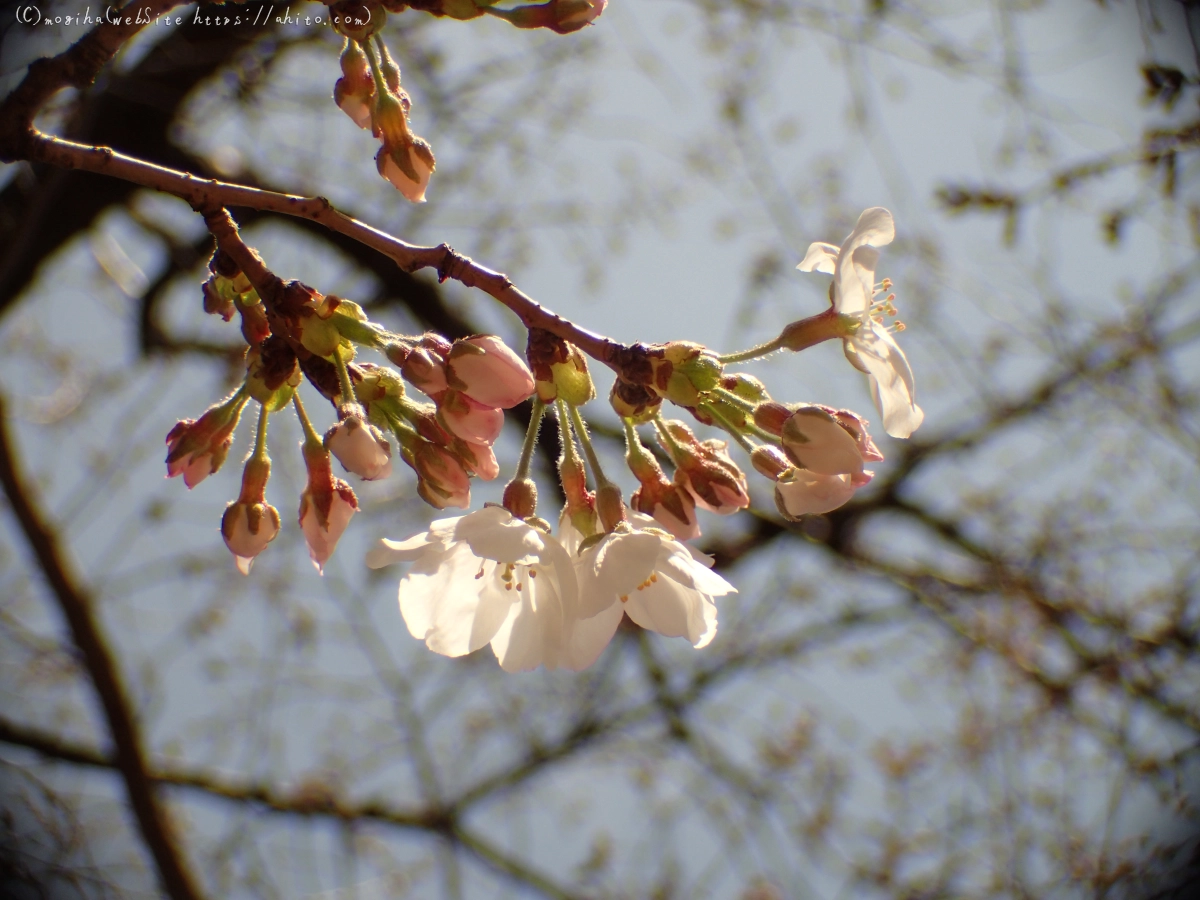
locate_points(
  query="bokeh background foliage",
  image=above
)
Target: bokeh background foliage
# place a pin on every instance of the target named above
(978, 679)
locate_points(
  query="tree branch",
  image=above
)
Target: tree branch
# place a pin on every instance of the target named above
(76, 607)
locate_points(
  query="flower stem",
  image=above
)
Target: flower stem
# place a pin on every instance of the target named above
(380, 85)
(570, 453)
(733, 430)
(345, 385)
(676, 451)
(633, 441)
(733, 399)
(588, 450)
(310, 433)
(260, 438)
(753, 352)
(531, 433)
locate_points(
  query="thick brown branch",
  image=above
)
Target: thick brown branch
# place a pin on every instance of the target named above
(76, 606)
(208, 196)
(76, 67)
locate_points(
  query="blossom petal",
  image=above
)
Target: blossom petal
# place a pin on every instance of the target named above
(387, 552)
(891, 380)
(854, 278)
(694, 573)
(493, 533)
(623, 561)
(452, 611)
(587, 638)
(800, 492)
(821, 257)
(673, 610)
(875, 227)
(812, 438)
(532, 633)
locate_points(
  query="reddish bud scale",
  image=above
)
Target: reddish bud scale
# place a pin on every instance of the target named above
(255, 328)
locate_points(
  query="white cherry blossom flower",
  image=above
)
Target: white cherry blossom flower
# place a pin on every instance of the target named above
(871, 349)
(488, 577)
(662, 585)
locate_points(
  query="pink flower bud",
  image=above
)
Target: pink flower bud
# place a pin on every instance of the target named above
(469, 420)
(706, 470)
(769, 461)
(197, 448)
(360, 448)
(520, 498)
(815, 438)
(425, 369)
(325, 506)
(407, 166)
(478, 458)
(670, 505)
(770, 416)
(487, 371)
(247, 529)
(800, 492)
(441, 479)
(571, 15)
(355, 90)
(404, 159)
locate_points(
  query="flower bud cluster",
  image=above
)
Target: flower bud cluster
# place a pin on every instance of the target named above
(369, 93)
(228, 291)
(446, 442)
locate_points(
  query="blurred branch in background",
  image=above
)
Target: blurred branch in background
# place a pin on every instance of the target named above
(976, 679)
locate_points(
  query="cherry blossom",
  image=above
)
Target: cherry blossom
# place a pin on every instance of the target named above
(871, 348)
(662, 585)
(488, 578)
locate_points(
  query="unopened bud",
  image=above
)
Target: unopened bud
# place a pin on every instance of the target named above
(217, 303)
(769, 461)
(425, 365)
(770, 417)
(486, 370)
(441, 479)
(360, 447)
(326, 505)
(610, 506)
(354, 92)
(814, 439)
(520, 498)
(247, 529)
(255, 328)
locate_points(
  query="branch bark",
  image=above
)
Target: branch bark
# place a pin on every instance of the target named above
(76, 605)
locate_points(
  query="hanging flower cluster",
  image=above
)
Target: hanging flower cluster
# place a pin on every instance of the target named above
(541, 595)
(369, 89)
